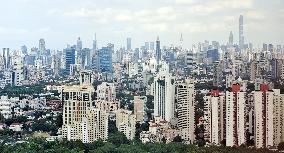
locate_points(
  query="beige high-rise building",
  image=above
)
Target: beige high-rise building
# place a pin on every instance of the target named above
(97, 124)
(125, 123)
(235, 116)
(106, 97)
(214, 114)
(185, 109)
(106, 91)
(263, 117)
(79, 122)
(139, 107)
(278, 117)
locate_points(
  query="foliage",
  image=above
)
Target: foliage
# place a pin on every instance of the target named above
(59, 121)
(117, 138)
(22, 90)
(139, 128)
(281, 146)
(112, 126)
(18, 119)
(40, 145)
(177, 139)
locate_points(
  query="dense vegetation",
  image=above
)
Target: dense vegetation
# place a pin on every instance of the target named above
(22, 90)
(117, 144)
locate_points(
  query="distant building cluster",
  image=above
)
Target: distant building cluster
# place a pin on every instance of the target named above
(212, 94)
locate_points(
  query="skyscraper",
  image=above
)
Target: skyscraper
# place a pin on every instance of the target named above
(214, 116)
(78, 51)
(263, 117)
(41, 46)
(81, 121)
(69, 58)
(185, 108)
(79, 44)
(140, 107)
(231, 39)
(105, 60)
(164, 94)
(125, 123)
(95, 43)
(235, 116)
(158, 50)
(241, 32)
(128, 43)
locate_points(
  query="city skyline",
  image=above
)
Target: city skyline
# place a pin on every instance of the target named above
(62, 22)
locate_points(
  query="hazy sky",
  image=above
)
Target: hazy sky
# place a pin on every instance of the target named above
(60, 22)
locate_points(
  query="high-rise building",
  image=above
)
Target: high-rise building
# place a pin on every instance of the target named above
(79, 44)
(69, 54)
(214, 116)
(164, 94)
(235, 116)
(212, 55)
(278, 117)
(140, 108)
(231, 39)
(95, 47)
(81, 121)
(158, 51)
(263, 117)
(78, 51)
(86, 57)
(241, 32)
(24, 50)
(6, 58)
(18, 71)
(105, 60)
(125, 123)
(217, 73)
(189, 59)
(152, 45)
(147, 46)
(186, 109)
(42, 46)
(128, 44)
(106, 92)
(277, 68)
(97, 125)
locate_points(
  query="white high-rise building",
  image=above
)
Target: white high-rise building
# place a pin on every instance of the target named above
(186, 109)
(81, 121)
(263, 117)
(214, 114)
(164, 91)
(41, 46)
(278, 115)
(235, 116)
(18, 71)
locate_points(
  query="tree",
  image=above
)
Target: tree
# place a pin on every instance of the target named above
(281, 146)
(177, 139)
(59, 121)
(117, 138)
(112, 126)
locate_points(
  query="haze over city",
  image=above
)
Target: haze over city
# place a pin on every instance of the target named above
(60, 22)
(142, 76)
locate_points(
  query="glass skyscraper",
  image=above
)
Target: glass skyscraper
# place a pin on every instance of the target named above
(105, 60)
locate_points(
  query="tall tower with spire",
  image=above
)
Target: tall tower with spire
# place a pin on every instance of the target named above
(158, 50)
(95, 42)
(231, 39)
(241, 32)
(181, 40)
